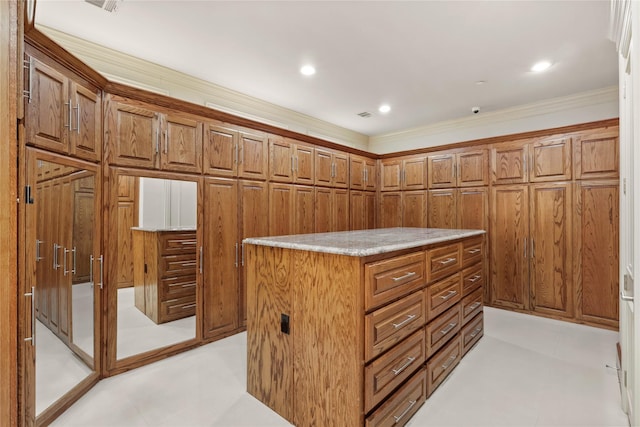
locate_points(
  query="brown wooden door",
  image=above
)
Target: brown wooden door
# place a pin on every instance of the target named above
(86, 128)
(340, 210)
(441, 169)
(253, 156)
(53, 286)
(370, 175)
(550, 160)
(48, 115)
(509, 246)
(390, 209)
(304, 172)
(595, 154)
(414, 208)
(442, 211)
(596, 245)
(221, 257)
(550, 249)
(509, 163)
(414, 173)
(323, 209)
(181, 144)
(132, 133)
(65, 233)
(370, 210)
(357, 209)
(390, 171)
(281, 163)
(324, 167)
(356, 172)
(220, 148)
(472, 168)
(127, 215)
(281, 216)
(472, 208)
(340, 170)
(83, 223)
(303, 209)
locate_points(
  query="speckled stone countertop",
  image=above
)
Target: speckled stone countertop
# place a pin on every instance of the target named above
(159, 229)
(364, 242)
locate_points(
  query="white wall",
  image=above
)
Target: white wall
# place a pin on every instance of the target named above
(167, 203)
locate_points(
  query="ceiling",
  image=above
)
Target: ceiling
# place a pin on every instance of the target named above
(423, 58)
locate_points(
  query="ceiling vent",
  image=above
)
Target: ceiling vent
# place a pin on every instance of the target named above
(365, 114)
(108, 5)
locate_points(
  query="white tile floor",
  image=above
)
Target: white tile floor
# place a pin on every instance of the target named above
(526, 371)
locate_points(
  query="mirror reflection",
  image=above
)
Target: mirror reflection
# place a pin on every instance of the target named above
(157, 261)
(64, 292)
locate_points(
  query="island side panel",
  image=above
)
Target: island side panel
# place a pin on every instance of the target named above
(269, 351)
(328, 323)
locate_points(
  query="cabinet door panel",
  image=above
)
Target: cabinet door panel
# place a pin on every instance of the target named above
(303, 207)
(357, 210)
(340, 210)
(324, 167)
(391, 209)
(442, 209)
(340, 170)
(551, 160)
(472, 168)
(473, 208)
(356, 173)
(281, 216)
(390, 175)
(253, 156)
(281, 160)
(133, 134)
(596, 154)
(414, 174)
(304, 165)
(371, 175)
(182, 144)
(323, 210)
(127, 218)
(220, 151)
(509, 163)
(414, 209)
(370, 210)
(86, 129)
(441, 171)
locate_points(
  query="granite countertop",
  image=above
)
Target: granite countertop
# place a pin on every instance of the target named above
(158, 229)
(364, 242)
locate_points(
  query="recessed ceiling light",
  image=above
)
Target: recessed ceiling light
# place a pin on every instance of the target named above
(308, 70)
(540, 66)
(384, 108)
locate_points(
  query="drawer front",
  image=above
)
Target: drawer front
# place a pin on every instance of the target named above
(177, 265)
(442, 262)
(388, 325)
(177, 243)
(471, 333)
(472, 278)
(387, 372)
(471, 305)
(402, 405)
(442, 329)
(174, 287)
(442, 295)
(472, 251)
(441, 364)
(177, 308)
(390, 279)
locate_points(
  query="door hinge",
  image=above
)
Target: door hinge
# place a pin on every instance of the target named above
(27, 195)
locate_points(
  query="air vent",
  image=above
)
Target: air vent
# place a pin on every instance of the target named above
(108, 5)
(365, 114)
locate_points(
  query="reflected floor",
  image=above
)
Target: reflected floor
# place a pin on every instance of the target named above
(137, 333)
(83, 316)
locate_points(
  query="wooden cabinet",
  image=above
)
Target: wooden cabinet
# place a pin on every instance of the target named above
(403, 174)
(442, 208)
(220, 150)
(509, 163)
(253, 155)
(390, 173)
(441, 168)
(596, 154)
(127, 214)
(463, 169)
(403, 209)
(465, 208)
(291, 209)
(182, 144)
(331, 210)
(303, 209)
(390, 209)
(362, 173)
(291, 161)
(362, 208)
(550, 159)
(331, 168)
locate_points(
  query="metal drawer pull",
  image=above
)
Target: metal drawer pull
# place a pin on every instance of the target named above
(474, 305)
(473, 251)
(409, 318)
(73, 269)
(624, 297)
(236, 262)
(188, 264)
(447, 261)
(55, 256)
(186, 307)
(449, 362)
(91, 270)
(448, 328)
(201, 259)
(77, 108)
(64, 262)
(32, 338)
(38, 243)
(68, 125)
(404, 276)
(101, 270)
(403, 367)
(190, 285)
(188, 242)
(474, 278)
(475, 332)
(449, 295)
(399, 417)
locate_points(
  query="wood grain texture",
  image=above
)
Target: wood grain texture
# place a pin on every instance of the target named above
(281, 160)
(442, 363)
(471, 333)
(414, 173)
(596, 154)
(441, 171)
(371, 168)
(392, 278)
(253, 156)
(509, 163)
(220, 147)
(472, 168)
(323, 210)
(357, 210)
(390, 209)
(472, 208)
(305, 170)
(442, 295)
(303, 209)
(551, 160)
(86, 131)
(440, 330)
(340, 169)
(403, 404)
(181, 143)
(340, 210)
(356, 172)
(442, 211)
(281, 205)
(414, 208)
(390, 171)
(324, 167)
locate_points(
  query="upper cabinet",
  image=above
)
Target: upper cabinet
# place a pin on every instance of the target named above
(253, 155)
(509, 163)
(332, 168)
(363, 173)
(550, 159)
(62, 115)
(181, 144)
(596, 154)
(463, 169)
(220, 150)
(290, 161)
(403, 174)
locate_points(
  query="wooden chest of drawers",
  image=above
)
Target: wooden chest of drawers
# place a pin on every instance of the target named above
(164, 273)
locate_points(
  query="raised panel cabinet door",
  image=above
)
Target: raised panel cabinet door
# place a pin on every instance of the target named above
(220, 257)
(472, 168)
(181, 144)
(340, 170)
(370, 210)
(441, 171)
(127, 217)
(390, 209)
(390, 171)
(357, 210)
(550, 249)
(442, 209)
(220, 148)
(253, 156)
(281, 160)
(550, 160)
(324, 167)
(472, 208)
(370, 174)
(509, 246)
(595, 154)
(414, 208)
(509, 163)
(356, 172)
(303, 209)
(340, 210)
(48, 117)
(304, 172)
(414, 173)
(132, 133)
(596, 245)
(86, 123)
(65, 232)
(323, 204)
(281, 215)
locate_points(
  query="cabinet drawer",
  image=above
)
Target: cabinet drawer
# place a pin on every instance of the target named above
(390, 279)
(177, 308)
(472, 278)
(390, 324)
(471, 333)
(391, 369)
(402, 405)
(442, 364)
(177, 265)
(442, 295)
(472, 251)
(442, 329)
(174, 287)
(442, 262)
(177, 243)
(471, 305)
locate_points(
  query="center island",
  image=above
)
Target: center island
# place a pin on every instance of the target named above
(359, 327)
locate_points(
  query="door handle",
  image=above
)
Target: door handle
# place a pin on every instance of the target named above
(624, 297)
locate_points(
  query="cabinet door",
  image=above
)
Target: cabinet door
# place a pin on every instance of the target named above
(509, 255)
(551, 278)
(132, 132)
(357, 210)
(304, 172)
(441, 171)
(340, 170)
(509, 163)
(220, 256)
(253, 156)
(127, 218)
(414, 173)
(181, 144)
(49, 110)
(390, 175)
(472, 168)
(86, 129)
(414, 209)
(324, 167)
(370, 175)
(595, 154)
(281, 160)
(472, 208)
(356, 172)
(370, 210)
(323, 209)
(550, 160)
(281, 215)
(390, 209)
(442, 209)
(340, 210)
(596, 251)
(303, 209)
(220, 151)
